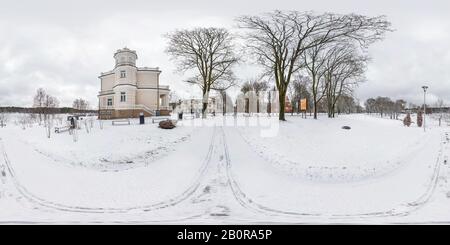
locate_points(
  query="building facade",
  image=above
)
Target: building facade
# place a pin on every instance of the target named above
(128, 90)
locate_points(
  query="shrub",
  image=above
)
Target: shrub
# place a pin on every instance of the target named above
(407, 120)
(167, 124)
(419, 119)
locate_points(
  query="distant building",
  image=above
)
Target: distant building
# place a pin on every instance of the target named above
(127, 90)
(195, 105)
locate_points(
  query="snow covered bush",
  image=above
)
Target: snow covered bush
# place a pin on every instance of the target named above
(407, 120)
(419, 119)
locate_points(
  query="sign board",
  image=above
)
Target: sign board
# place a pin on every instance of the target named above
(303, 105)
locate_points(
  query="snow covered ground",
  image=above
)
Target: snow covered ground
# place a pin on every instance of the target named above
(228, 170)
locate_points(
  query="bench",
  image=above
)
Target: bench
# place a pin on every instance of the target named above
(62, 129)
(159, 119)
(121, 122)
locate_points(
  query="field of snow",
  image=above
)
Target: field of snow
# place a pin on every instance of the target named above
(111, 149)
(320, 150)
(76, 174)
(230, 170)
(377, 168)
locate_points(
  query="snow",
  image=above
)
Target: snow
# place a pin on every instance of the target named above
(127, 147)
(321, 150)
(321, 193)
(50, 168)
(228, 170)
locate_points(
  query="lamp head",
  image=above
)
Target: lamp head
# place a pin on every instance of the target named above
(425, 88)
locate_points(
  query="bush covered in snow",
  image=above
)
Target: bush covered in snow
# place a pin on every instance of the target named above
(407, 120)
(419, 119)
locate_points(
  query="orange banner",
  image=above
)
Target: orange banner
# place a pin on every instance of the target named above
(303, 105)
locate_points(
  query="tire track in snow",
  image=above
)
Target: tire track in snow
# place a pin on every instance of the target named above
(248, 203)
(24, 192)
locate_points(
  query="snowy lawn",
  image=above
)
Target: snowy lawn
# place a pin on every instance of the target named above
(117, 167)
(321, 150)
(315, 168)
(111, 149)
(244, 169)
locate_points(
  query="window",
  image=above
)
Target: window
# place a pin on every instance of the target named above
(109, 102)
(123, 97)
(123, 74)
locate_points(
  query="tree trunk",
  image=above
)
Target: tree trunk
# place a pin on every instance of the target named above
(330, 109)
(282, 100)
(315, 110)
(224, 106)
(205, 106)
(257, 104)
(205, 102)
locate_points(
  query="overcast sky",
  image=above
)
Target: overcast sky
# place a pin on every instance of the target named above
(63, 46)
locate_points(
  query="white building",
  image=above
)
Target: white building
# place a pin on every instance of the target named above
(128, 90)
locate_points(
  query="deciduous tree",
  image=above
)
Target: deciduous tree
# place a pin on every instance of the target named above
(207, 51)
(278, 39)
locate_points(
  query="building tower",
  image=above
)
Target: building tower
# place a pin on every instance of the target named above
(127, 90)
(126, 81)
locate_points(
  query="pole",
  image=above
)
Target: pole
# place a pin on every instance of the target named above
(424, 108)
(157, 94)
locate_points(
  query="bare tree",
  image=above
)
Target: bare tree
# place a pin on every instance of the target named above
(80, 104)
(346, 104)
(399, 106)
(259, 87)
(299, 88)
(23, 121)
(247, 87)
(209, 51)
(174, 100)
(370, 105)
(344, 68)
(440, 104)
(256, 86)
(50, 102)
(314, 60)
(38, 102)
(383, 105)
(45, 104)
(278, 39)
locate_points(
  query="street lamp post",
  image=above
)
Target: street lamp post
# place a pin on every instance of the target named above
(424, 105)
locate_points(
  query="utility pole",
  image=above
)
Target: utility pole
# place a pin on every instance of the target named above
(157, 96)
(424, 105)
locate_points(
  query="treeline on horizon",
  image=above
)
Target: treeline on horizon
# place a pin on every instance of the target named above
(36, 110)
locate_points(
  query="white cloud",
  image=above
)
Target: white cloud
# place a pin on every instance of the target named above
(63, 46)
